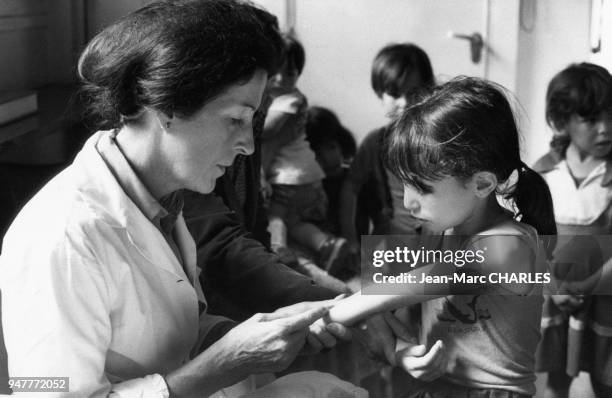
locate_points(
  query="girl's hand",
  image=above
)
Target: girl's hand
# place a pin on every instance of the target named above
(568, 303)
(422, 364)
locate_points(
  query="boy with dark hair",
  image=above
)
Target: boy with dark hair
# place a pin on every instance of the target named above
(399, 73)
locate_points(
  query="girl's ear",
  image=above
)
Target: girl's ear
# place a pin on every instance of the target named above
(483, 183)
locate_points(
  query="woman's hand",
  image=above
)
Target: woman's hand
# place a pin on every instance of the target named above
(262, 343)
(422, 364)
(270, 342)
(322, 334)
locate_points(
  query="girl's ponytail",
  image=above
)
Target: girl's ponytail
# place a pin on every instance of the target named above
(533, 200)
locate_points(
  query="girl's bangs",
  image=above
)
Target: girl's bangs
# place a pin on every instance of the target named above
(412, 156)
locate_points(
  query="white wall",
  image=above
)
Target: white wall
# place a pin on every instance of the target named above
(529, 41)
(558, 35)
(341, 38)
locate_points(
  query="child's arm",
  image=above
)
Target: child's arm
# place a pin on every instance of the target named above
(358, 306)
(503, 254)
(283, 118)
(277, 123)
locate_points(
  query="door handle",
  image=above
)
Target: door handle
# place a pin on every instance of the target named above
(476, 44)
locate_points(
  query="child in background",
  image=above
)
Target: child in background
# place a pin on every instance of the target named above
(371, 194)
(298, 201)
(577, 330)
(334, 147)
(454, 151)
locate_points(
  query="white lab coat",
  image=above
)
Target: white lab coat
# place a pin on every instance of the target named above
(92, 291)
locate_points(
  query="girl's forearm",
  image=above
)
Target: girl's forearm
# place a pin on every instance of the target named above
(361, 306)
(357, 307)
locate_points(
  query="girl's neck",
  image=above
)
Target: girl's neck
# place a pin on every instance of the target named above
(486, 214)
(579, 162)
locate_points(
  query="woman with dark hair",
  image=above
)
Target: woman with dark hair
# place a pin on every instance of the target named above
(98, 271)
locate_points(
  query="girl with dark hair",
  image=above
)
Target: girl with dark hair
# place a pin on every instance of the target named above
(577, 329)
(455, 151)
(98, 271)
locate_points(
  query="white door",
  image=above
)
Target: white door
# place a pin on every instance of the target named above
(601, 33)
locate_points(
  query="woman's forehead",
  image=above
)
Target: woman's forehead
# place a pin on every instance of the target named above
(247, 95)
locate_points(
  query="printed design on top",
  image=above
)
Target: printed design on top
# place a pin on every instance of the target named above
(464, 309)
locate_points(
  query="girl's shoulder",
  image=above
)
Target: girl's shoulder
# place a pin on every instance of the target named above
(508, 234)
(508, 245)
(511, 227)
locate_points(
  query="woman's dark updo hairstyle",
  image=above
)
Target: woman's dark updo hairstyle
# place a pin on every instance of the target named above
(580, 89)
(174, 56)
(460, 128)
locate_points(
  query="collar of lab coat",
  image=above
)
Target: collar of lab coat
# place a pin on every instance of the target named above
(114, 207)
